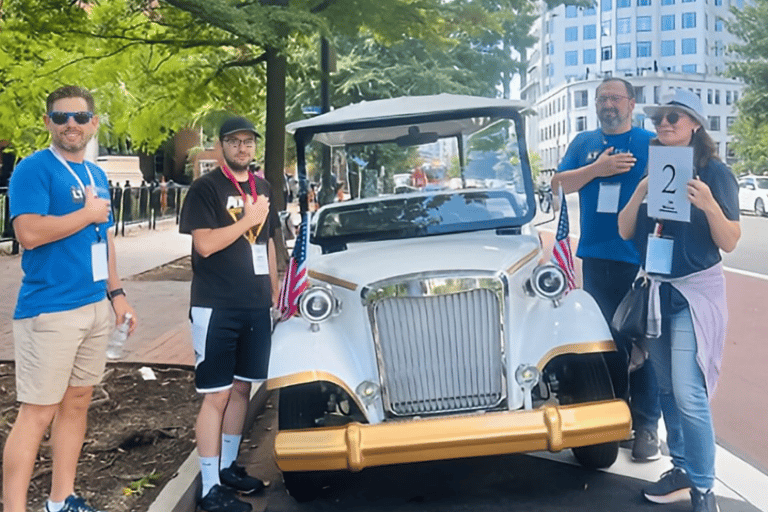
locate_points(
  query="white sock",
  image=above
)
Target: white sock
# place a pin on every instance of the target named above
(703, 490)
(209, 471)
(230, 446)
(53, 506)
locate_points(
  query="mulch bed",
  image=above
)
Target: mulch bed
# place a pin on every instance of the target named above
(139, 433)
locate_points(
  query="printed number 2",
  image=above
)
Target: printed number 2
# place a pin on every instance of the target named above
(666, 188)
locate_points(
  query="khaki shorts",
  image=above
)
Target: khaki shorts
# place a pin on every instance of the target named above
(57, 350)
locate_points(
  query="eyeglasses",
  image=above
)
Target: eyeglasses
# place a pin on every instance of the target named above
(672, 118)
(612, 98)
(235, 143)
(63, 117)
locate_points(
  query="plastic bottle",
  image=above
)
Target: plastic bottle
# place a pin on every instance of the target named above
(117, 341)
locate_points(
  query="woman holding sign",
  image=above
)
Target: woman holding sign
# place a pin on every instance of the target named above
(681, 235)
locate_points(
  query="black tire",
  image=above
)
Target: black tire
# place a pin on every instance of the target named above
(759, 207)
(298, 408)
(586, 379)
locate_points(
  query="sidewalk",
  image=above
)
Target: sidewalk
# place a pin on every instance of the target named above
(162, 336)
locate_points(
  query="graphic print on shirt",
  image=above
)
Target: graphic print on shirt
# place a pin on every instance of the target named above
(235, 209)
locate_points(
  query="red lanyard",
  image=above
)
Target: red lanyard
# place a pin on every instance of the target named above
(251, 182)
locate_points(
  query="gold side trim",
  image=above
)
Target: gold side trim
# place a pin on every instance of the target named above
(520, 264)
(313, 376)
(576, 348)
(332, 280)
(356, 446)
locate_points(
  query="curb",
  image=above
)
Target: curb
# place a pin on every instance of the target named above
(180, 493)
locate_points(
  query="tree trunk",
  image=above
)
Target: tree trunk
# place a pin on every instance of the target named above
(274, 140)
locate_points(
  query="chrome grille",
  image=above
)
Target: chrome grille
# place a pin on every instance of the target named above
(440, 352)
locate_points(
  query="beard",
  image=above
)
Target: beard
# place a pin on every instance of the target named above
(611, 118)
(60, 140)
(237, 166)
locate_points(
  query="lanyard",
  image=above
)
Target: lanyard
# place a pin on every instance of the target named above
(79, 181)
(251, 182)
(605, 139)
(73, 173)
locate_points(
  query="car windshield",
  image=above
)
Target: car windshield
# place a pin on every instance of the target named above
(414, 215)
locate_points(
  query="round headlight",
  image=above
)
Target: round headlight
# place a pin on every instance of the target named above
(316, 304)
(548, 281)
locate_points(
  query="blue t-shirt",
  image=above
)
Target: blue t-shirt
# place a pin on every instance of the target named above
(58, 276)
(694, 249)
(600, 231)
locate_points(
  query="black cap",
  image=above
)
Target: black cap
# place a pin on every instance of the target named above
(237, 124)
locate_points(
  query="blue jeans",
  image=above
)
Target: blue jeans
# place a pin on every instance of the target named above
(608, 281)
(684, 400)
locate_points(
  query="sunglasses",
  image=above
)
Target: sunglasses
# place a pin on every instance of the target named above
(672, 118)
(63, 117)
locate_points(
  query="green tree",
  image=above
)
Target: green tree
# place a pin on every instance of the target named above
(751, 65)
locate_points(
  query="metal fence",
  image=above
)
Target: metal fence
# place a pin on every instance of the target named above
(130, 206)
(5, 221)
(147, 203)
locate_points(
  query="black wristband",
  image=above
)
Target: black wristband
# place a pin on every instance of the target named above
(114, 293)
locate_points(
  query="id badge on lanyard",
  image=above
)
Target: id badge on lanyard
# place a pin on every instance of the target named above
(99, 260)
(658, 255)
(260, 259)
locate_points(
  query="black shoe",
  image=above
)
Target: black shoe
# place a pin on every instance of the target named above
(221, 499)
(704, 501)
(673, 485)
(236, 478)
(645, 448)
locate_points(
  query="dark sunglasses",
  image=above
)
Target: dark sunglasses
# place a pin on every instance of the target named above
(62, 117)
(672, 118)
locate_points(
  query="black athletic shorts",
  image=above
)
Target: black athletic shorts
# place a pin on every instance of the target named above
(230, 344)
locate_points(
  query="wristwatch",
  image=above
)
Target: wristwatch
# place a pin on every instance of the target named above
(114, 293)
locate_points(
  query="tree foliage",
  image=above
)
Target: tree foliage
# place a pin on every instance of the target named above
(152, 72)
(750, 130)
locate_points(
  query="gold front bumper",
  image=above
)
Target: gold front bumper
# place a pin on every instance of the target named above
(356, 446)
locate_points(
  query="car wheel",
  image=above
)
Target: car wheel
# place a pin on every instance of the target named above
(586, 379)
(759, 207)
(299, 407)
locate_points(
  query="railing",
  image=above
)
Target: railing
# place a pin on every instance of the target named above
(6, 228)
(147, 203)
(130, 206)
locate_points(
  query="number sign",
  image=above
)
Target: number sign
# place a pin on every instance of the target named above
(669, 170)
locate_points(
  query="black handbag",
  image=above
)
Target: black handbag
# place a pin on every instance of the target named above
(631, 317)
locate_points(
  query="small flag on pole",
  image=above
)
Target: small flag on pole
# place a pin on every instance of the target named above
(295, 281)
(561, 252)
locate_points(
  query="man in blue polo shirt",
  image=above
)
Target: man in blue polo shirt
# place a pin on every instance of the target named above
(61, 216)
(605, 166)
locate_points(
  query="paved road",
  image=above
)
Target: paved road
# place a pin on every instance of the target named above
(546, 482)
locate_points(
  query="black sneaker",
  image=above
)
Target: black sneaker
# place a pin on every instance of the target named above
(704, 501)
(221, 499)
(673, 485)
(646, 445)
(236, 478)
(75, 504)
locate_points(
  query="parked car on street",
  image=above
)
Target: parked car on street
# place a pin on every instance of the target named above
(430, 329)
(753, 194)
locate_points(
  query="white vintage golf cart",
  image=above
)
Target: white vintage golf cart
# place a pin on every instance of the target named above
(430, 330)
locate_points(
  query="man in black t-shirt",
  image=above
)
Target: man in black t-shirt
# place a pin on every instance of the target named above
(234, 284)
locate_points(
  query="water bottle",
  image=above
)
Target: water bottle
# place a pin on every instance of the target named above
(117, 341)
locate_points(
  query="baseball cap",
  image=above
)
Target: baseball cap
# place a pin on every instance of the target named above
(237, 124)
(681, 99)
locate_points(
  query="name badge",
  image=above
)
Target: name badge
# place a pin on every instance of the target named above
(260, 259)
(658, 257)
(608, 197)
(99, 261)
